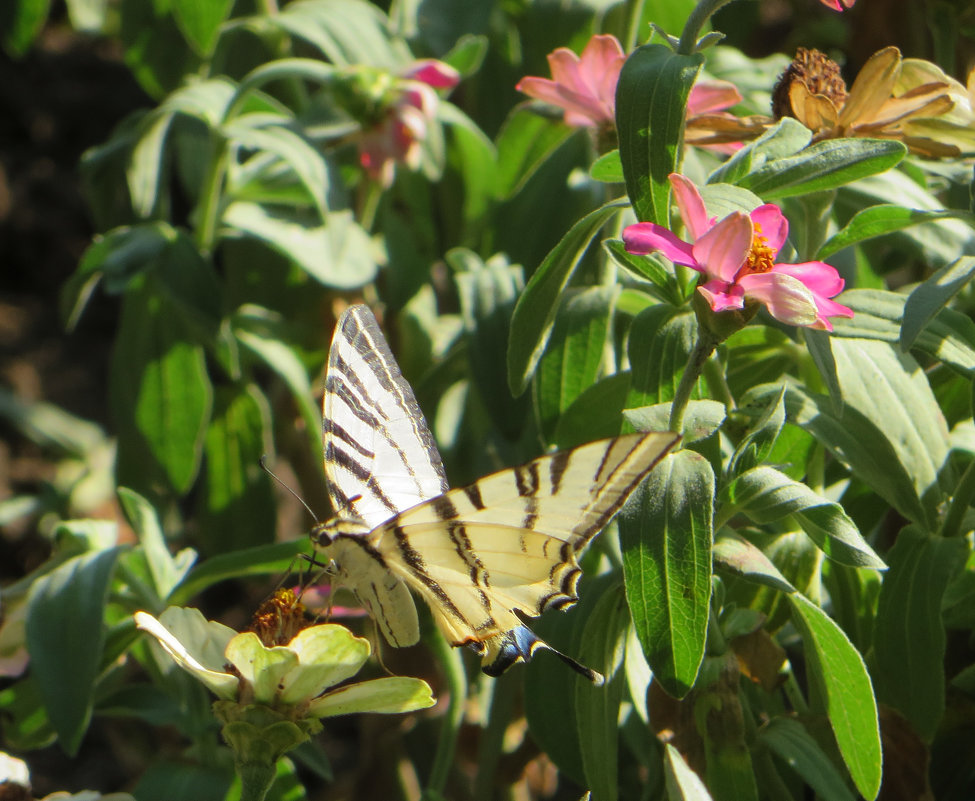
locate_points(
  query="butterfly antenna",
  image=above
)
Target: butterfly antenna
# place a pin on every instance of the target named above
(295, 495)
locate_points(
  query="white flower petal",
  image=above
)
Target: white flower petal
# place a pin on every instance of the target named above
(265, 668)
(387, 696)
(329, 654)
(196, 644)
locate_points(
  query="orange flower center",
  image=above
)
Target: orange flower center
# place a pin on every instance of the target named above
(760, 257)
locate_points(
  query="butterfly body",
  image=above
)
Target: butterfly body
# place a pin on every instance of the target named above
(478, 555)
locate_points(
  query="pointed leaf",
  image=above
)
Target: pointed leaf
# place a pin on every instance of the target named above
(531, 323)
(932, 295)
(661, 339)
(651, 104)
(598, 708)
(843, 685)
(825, 165)
(879, 220)
(766, 495)
(909, 635)
(665, 536)
(65, 635)
(575, 352)
(796, 747)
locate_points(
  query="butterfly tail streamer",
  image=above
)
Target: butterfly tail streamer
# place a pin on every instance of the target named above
(519, 645)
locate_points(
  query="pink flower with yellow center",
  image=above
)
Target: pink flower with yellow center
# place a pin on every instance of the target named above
(736, 256)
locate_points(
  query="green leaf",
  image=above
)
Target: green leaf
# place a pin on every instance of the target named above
(842, 685)
(263, 560)
(766, 495)
(348, 32)
(879, 220)
(262, 333)
(304, 160)
(938, 242)
(65, 635)
(787, 137)
(654, 268)
(741, 558)
(665, 537)
(825, 165)
(524, 144)
(534, 315)
(683, 784)
(575, 352)
(607, 168)
(237, 498)
(118, 257)
(949, 337)
(598, 708)
(796, 747)
(890, 431)
(488, 291)
(200, 22)
(597, 413)
(661, 339)
(338, 254)
(909, 635)
(145, 522)
(20, 23)
(718, 713)
(932, 295)
(701, 419)
(760, 438)
(87, 15)
(159, 389)
(651, 104)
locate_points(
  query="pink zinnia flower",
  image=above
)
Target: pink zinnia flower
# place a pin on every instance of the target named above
(583, 86)
(737, 254)
(835, 4)
(397, 137)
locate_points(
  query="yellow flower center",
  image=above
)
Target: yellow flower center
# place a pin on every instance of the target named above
(760, 257)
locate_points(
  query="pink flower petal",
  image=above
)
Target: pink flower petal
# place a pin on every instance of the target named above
(580, 110)
(774, 225)
(821, 278)
(722, 296)
(709, 96)
(721, 250)
(644, 238)
(600, 64)
(787, 299)
(433, 73)
(692, 210)
(830, 308)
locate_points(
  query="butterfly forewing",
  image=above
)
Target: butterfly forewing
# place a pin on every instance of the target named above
(380, 457)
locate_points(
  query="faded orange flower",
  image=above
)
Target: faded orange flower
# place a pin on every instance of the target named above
(891, 98)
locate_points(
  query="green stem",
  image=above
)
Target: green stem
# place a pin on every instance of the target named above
(703, 349)
(370, 204)
(443, 760)
(695, 22)
(794, 693)
(960, 503)
(717, 645)
(255, 780)
(491, 744)
(206, 231)
(632, 24)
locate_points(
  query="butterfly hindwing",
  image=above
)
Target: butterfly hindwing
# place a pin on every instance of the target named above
(508, 543)
(380, 457)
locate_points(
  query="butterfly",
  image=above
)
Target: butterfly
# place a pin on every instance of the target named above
(477, 555)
